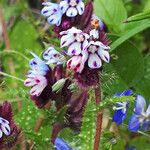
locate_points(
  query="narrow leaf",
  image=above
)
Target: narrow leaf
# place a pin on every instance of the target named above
(129, 34)
(140, 16)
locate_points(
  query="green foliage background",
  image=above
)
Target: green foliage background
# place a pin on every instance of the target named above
(129, 68)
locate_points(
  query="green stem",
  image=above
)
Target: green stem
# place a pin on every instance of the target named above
(15, 52)
(11, 76)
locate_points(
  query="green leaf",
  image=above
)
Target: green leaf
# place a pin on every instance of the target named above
(24, 36)
(113, 13)
(144, 85)
(111, 81)
(147, 5)
(129, 63)
(140, 16)
(141, 143)
(130, 33)
(10, 11)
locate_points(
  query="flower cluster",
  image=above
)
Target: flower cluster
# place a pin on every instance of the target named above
(42, 77)
(55, 12)
(9, 132)
(140, 119)
(85, 46)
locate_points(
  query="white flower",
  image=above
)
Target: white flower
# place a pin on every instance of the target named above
(75, 39)
(94, 33)
(72, 7)
(76, 63)
(96, 51)
(53, 12)
(4, 127)
(37, 76)
(53, 56)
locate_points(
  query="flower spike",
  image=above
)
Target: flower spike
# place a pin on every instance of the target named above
(9, 132)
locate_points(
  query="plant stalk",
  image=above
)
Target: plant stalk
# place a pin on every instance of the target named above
(99, 120)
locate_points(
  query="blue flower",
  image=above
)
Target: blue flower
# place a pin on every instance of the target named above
(72, 7)
(141, 117)
(121, 107)
(53, 12)
(61, 144)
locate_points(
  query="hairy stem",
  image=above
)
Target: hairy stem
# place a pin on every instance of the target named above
(99, 120)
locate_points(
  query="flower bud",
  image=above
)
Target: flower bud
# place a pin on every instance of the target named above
(58, 85)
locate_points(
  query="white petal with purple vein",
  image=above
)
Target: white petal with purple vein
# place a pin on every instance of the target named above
(66, 40)
(85, 44)
(63, 6)
(80, 7)
(94, 61)
(5, 128)
(47, 11)
(71, 12)
(2, 120)
(74, 49)
(30, 82)
(53, 19)
(104, 55)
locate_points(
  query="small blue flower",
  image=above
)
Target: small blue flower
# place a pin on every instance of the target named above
(121, 107)
(141, 117)
(53, 12)
(61, 144)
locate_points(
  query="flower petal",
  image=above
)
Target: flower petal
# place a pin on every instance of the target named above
(2, 120)
(148, 110)
(71, 12)
(140, 104)
(49, 53)
(134, 123)
(146, 125)
(66, 40)
(63, 6)
(74, 49)
(29, 82)
(101, 45)
(94, 61)
(61, 144)
(6, 129)
(49, 10)
(80, 7)
(1, 133)
(39, 87)
(104, 55)
(54, 19)
(84, 44)
(85, 55)
(124, 93)
(118, 117)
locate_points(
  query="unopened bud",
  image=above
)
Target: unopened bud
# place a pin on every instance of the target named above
(58, 85)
